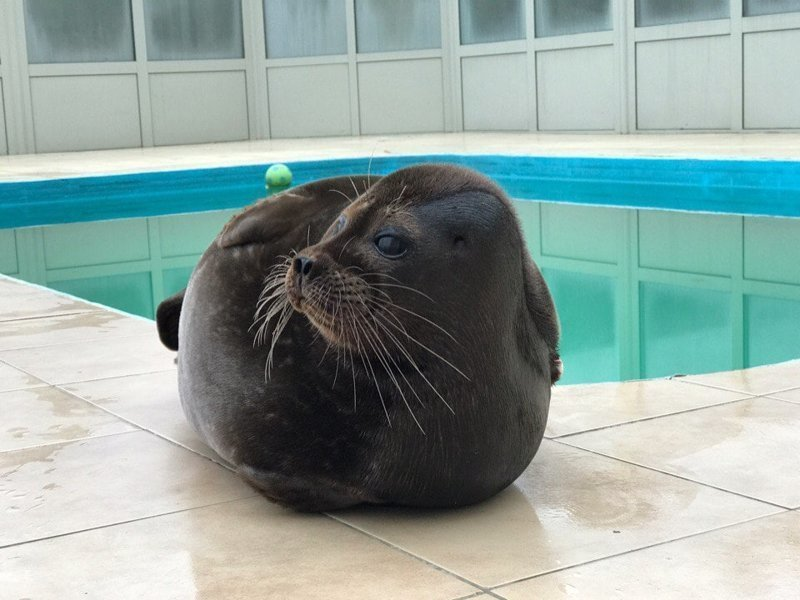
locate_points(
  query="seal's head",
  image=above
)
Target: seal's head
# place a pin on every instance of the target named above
(426, 269)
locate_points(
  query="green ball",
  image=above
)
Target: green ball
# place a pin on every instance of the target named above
(278, 175)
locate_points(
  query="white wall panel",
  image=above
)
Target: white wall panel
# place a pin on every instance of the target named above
(85, 112)
(772, 79)
(576, 89)
(3, 143)
(402, 96)
(684, 83)
(192, 108)
(308, 101)
(495, 92)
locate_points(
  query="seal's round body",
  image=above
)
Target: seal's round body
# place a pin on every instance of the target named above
(341, 343)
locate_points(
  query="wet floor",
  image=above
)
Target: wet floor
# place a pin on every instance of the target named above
(659, 489)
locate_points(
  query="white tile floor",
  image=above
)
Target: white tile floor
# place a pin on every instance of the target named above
(671, 488)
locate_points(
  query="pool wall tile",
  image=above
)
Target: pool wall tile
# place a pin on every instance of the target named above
(683, 327)
(96, 243)
(131, 292)
(582, 233)
(189, 234)
(771, 249)
(174, 280)
(772, 330)
(8, 252)
(686, 242)
(587, 308)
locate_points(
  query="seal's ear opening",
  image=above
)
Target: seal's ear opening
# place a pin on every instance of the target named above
(167, 316)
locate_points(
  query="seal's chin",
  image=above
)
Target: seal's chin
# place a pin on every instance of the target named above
(321, 317)
(326, 330)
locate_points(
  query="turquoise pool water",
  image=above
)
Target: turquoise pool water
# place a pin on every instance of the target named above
(644, 286)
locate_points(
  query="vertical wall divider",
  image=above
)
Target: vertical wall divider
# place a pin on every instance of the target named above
(633, 282)
(142, 73)
(16, 84)
(530, 39)
(30, 255)
(156, 267)
(627, 356)
(451, 67)
(620, 22)
(628, 8)
(255, 55)
(737, 66)
(738, 317)
(352, 67)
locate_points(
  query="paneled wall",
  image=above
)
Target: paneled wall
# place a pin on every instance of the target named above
(640, 293)
(90, 74)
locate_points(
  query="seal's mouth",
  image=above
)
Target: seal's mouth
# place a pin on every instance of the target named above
(294, 291)
(317, 305)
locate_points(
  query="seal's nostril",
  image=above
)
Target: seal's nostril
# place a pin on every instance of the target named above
(303, 265)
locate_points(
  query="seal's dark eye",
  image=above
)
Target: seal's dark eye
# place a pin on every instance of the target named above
(390, 245)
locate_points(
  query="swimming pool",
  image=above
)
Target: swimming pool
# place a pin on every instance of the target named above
(657, 266)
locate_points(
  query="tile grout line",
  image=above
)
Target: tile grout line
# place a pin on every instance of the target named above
(21, 370)
(79, 381)
(117, 523)
(49, 316)
(83, 340)
(117, 416)
(643, 548)
(143, 428)
(718, 387)
(26, 388)
(484, 589)
(72, 441)
(653, 418)
(59, 384)
(655, 470)
(172, 369)
(781, 399)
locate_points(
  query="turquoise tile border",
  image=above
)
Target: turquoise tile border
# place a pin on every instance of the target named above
(747, 187)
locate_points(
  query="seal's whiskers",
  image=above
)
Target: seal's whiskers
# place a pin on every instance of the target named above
(416, 341)
(413, 363)
(368, 366)
(273, 303)
(382, 356)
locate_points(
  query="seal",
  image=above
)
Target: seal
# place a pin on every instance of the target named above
(364, 340)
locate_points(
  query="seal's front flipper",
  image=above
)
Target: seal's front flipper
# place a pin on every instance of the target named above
(167, 317)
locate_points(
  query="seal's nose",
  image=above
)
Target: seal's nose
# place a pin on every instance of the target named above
(303, 265)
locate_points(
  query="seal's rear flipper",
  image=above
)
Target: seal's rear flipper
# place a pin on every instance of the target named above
(167, 317)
